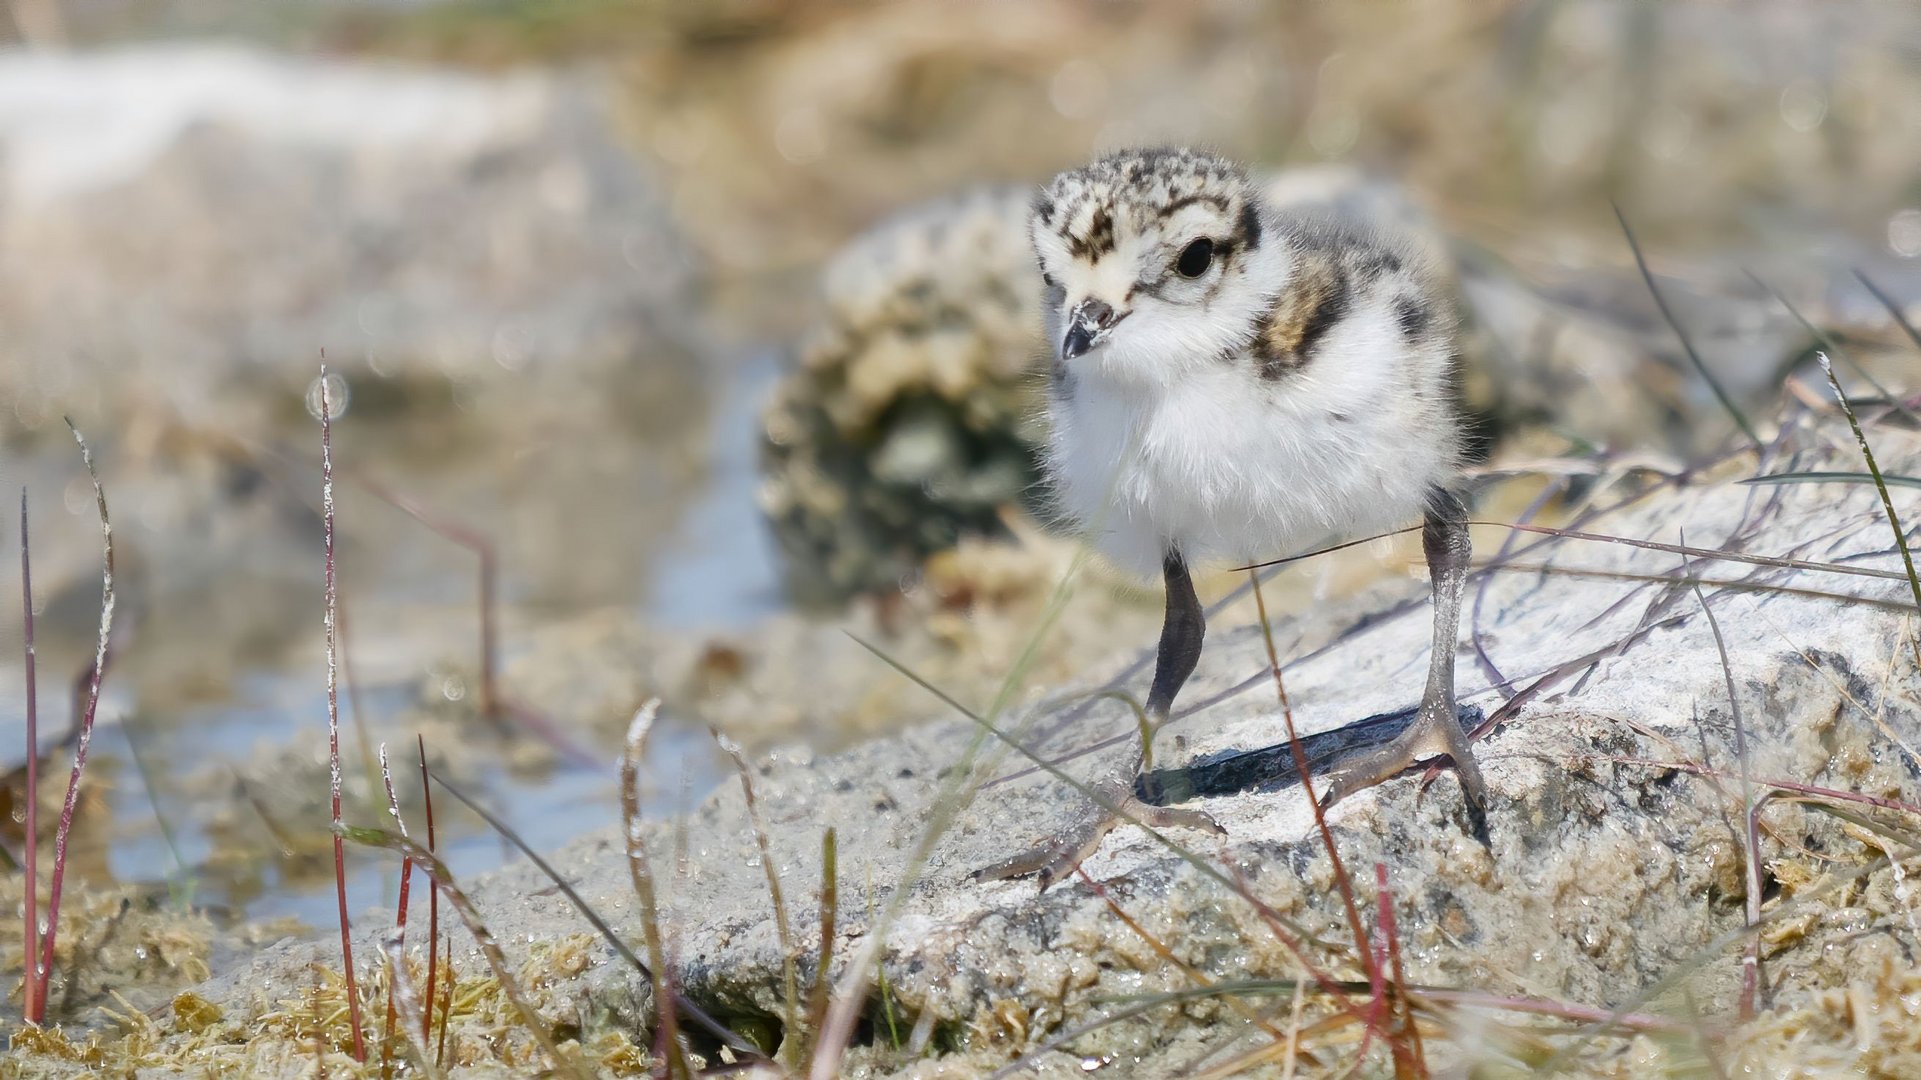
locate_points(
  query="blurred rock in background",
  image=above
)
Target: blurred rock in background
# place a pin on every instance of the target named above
(911, 417)
(188, 227)
(485, 263)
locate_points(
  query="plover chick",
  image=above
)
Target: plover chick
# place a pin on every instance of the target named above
(1229, 385)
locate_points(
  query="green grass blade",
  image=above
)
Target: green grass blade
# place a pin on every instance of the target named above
(1880, 482)
(1835, 478)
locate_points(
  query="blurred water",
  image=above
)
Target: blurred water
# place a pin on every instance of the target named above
(721, 567)
(713, 569)
(266, 881)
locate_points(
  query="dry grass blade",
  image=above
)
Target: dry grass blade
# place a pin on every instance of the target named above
(1292, 936)
(58, 879)
(1060, 1041)
(1827, 342)
(1751, 975)
(1160, 948)
(1092, 795)
(1712, 554)
(566, 888)
(1608, 1020)
(693, 1012)
(530, 1018)
(630, 760)
(401, 994)
(1409, 1055)
(33, 976)
(1700, 367)
(1894, 309)
(829, 912)
(789, 959)
(400, 919)
(633, 753)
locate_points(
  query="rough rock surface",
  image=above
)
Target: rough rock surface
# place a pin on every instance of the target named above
(1605, 874)
(205, 233)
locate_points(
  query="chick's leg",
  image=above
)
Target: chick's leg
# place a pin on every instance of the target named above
(1436, 731)
(1182, 632)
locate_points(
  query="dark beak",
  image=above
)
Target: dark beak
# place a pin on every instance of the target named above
(1086, 327)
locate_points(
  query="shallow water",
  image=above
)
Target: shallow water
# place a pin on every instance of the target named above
(184, 772)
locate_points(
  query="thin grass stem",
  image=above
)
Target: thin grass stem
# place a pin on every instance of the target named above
(956, 792)
(1720, 393)
(1409, 1056)
(1827, 342)
(1894, 309)
(433, 889)
(790, 977)
(667, 1045)
(689, 1009)
(530, 1017)
(85, 733)
(1890, 479)
(333, 709)
(400, 922)
(818, 994)
(402, 994)
(1880, 484)
(33, 976)
(1751, 974)
(1341, 880)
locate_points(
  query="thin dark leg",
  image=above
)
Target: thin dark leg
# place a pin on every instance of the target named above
(1436, 732)
(1115, 802)
(1445, 541)
(1182, 632)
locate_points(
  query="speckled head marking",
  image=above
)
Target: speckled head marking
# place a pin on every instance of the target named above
(1162, 240)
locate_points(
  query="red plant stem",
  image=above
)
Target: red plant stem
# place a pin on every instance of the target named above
(86, 730)
(433, 896)
(1307, 787)
(333, 713)
(493, 704)
(473, 540)
(34, 976)
(400, 917)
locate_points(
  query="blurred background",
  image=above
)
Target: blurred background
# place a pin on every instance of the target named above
(710, 324)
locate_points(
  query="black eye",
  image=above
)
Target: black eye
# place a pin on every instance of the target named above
(1195, 260)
